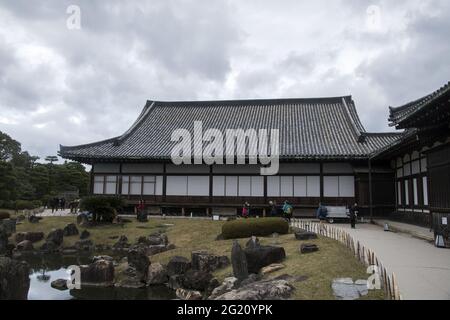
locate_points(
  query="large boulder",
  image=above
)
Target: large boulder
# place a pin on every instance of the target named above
(178, 265)
(99, 273)
(70, 230)
(204, 261)
(272, 289)
(197, 280)
(239, 261)
(30, 236)
(14, 279)
(263, 256)
(157, 274)
(138, 259)
(56, 236)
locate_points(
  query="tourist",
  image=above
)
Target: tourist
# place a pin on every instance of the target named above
(353, 213)
(63, 203)
(55, 204)
(287, 210)
(273, 208)
(52, 203)
(246, 210)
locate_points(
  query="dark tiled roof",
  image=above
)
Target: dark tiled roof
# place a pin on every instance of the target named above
(402, 113)
(322, 128)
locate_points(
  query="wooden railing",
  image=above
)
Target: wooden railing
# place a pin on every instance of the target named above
(364, 255)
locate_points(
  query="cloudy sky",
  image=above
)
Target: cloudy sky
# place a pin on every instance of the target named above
(60, 85)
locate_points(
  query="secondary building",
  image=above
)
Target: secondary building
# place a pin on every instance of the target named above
(421, 158)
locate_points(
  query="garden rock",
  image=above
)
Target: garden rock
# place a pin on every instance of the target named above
(70, 230)
(122, 243)
(9, 225)
(14, 279)
(84, 245)
(239, 262)
(261, 290)
(30, 236)
(204, 261)
(305, 235)
(25, 245)
(263, 256)
(3, 240)
(197, 280)
(346, 289)
(253, 243)
(184, 294)
(308, 248)
(227, 285)
(178, 265)
(157, 274)
(34, 219)
(272, 268)
(56, 236)
(99, 273)
(140, 261)
(85, 234)
(59, 284)
(175, 282)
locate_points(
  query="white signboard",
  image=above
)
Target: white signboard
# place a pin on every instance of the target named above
(444, 221)
(216, 218)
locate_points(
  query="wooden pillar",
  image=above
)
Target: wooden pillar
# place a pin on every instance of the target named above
(370, 191)
(164, 182)
(321, 182)
(119, 181)
(91, 177)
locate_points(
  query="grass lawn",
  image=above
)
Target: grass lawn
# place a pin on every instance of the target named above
(332, 261)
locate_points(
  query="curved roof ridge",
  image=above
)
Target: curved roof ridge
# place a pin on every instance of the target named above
(144, 113)
(398, 114)
(238, 102)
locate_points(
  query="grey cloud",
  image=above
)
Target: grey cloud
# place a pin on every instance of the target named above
(99, 77)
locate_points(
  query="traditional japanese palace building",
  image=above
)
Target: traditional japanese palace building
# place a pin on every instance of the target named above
(326, 156)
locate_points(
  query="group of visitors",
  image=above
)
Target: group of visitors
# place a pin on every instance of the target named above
(57, 204)
(287, 209)
(284, 211)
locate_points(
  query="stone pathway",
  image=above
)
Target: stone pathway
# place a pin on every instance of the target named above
(422, 270)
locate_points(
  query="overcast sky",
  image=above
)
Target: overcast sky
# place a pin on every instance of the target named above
(73, 86)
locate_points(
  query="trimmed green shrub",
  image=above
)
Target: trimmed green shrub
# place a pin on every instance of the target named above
(24, 205)
(102, 208)
(244, 228)
(4, 215)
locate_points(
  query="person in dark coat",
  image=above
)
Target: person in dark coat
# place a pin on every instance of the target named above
(353, 213)
(273, 208)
